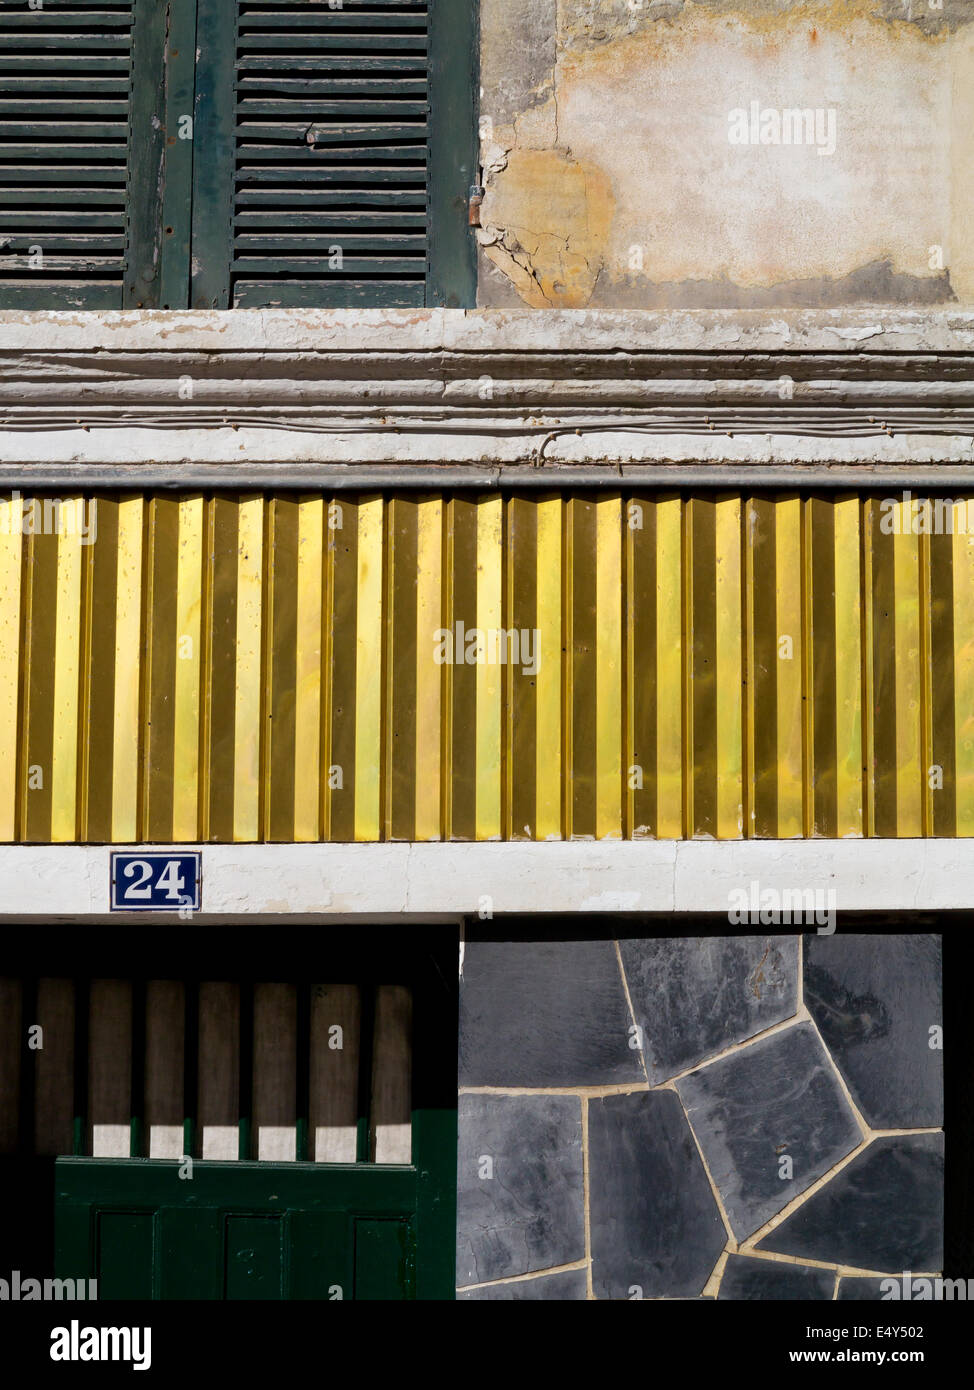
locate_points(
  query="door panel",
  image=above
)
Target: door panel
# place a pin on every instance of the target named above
(240, 1230)
(254, 1257)
(382, 1260)
(355, 1077)
(187, 1238)
(125, 1263)
(321, 1255)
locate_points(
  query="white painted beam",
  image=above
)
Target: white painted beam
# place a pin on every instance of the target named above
(330, 882)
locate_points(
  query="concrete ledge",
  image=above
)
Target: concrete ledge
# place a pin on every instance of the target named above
(878, 328)
(334, 882)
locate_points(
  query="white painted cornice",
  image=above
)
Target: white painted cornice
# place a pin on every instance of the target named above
(860, 389)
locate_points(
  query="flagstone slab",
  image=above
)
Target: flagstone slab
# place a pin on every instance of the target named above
(540, 1013)
(656, 1228)
(775, 1100)
(696, 996)
(878, 1004)
(519, 1186)
(883, 1211)
(746, 1277)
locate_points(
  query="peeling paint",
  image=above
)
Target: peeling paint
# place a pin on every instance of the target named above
(616, 184)
(546, 225)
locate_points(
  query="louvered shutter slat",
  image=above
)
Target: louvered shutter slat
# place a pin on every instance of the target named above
(65, 79)
(357, 81)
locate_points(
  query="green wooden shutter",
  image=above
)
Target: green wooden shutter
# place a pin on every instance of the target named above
(165, 154)
(354, 82)
(65, 95)
(334, 154)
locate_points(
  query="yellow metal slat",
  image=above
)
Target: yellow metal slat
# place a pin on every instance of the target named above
(963, 596)
(906, 619)
(128, 648)
(186, 699)
(429, 676)
(247, 672)
(730, 765)
(669, 668)
(788, 665)
(548, 680)
(608, 669)
(11, 557)
(848, 670)
(368, 670)
(307, 676)
(278, 772)
(67, 658)
(489, 672)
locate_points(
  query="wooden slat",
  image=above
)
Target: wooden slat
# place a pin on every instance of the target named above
(335, 146)
(371, 177)
(218, 1105)
(388, 267)
(16, 198)
(275, 1060)
(164, 1023)
(319, 220)
(50, 221)
(335, 1018)
(110, 1068)
(40, 20)
(54, 1068)
(90, 127)
(392, 1074)
(316, 200)
(311, 21)
(321, 244)
(329, 294)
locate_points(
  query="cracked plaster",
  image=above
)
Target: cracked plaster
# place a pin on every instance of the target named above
(611, 181)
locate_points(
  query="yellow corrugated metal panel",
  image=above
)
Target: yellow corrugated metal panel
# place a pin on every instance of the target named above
(11, 540)
(533, 667)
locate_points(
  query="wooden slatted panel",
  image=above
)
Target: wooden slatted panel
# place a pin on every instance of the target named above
(65, 86)
(273, 1058)
(331, 195)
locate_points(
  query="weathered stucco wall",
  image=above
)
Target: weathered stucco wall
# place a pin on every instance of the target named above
(727, 154)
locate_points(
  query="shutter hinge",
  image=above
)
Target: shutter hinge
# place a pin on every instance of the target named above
(477, 194)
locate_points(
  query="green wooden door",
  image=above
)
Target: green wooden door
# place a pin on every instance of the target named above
(142, 1058)
(145, 1229)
